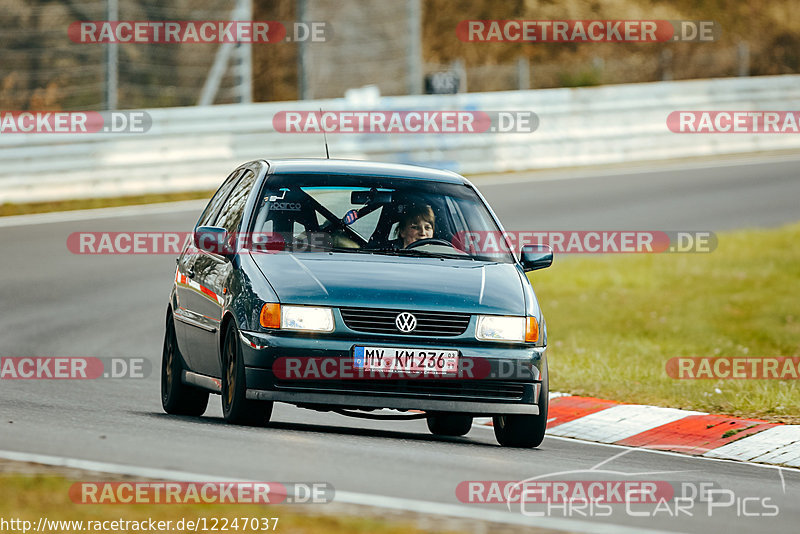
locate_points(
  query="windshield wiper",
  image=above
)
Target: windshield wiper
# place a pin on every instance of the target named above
(391, 251)
(451, 255)
(383, 250)
(340, 249)
(420, 253)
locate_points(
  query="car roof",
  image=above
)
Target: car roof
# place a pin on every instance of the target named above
(362, 168)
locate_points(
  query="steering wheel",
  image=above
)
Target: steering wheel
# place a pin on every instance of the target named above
(429, 241)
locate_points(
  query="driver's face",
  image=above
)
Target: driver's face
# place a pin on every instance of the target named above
(416, 230)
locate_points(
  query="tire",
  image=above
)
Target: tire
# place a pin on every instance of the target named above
(237, 409)
(178, 398)
(525, 431)
(449, 424)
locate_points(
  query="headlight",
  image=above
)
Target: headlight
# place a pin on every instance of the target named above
(303, 318)
(498, 328)
(306, 318)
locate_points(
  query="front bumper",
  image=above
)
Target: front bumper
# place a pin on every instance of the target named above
(355, 402)
(512, 386)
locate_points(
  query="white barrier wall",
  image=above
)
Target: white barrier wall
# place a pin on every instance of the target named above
(194, 148)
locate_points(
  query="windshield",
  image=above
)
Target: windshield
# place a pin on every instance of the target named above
(373, 215)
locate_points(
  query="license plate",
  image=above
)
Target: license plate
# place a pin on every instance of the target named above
(427, 361)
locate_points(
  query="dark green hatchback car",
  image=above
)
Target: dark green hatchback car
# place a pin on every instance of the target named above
(355, 287)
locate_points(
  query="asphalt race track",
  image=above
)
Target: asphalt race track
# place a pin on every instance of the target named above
(56, 303)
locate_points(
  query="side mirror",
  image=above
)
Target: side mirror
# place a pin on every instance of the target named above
(535, 257)
(213, 239)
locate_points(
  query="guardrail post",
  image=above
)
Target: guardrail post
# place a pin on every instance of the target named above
(743, 55)
(458, 68)
(665, 65)
(523, 73)
(414, 50)
(112, 56)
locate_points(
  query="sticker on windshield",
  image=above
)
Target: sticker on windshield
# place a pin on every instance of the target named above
(285, 206)
(278, 203)
(273, 198)
(350, 217)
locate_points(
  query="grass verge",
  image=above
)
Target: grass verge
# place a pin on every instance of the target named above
(614, 321)
(31, 497)
(92, 203)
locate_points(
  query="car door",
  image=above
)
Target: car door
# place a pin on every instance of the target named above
(211, 273)
(189, 323)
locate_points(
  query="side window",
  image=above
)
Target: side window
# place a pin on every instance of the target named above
(210, 213)
(231, 214)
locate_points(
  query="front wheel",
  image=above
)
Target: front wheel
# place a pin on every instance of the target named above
(525, 431)
(449, 424)
(237, 409)
(178, 398)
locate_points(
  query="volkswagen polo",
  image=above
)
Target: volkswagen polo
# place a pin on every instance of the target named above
(349, 286)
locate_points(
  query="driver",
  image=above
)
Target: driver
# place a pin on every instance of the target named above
(416, 223)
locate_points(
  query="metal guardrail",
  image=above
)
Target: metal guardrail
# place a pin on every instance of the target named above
(194, 148)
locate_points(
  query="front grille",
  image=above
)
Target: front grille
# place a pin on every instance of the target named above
(374, 321)
(484, 390)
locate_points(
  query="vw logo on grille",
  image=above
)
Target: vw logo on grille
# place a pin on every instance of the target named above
(405, 322)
